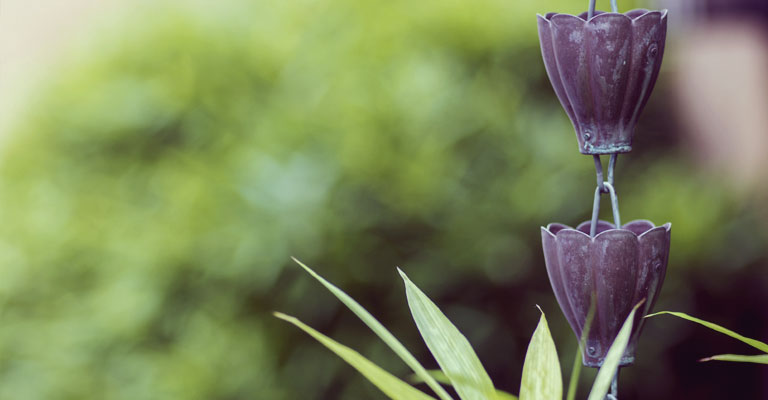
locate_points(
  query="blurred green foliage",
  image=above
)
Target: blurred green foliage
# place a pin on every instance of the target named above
(152, 197)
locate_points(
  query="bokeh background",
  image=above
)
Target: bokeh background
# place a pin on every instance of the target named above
(160, 162)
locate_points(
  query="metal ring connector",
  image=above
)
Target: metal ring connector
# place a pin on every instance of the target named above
(596, 208)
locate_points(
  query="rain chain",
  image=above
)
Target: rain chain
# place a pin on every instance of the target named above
(603, 67)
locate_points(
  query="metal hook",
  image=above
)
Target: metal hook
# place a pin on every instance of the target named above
(612, 167)
(592, 3)
(596, 208)
(599, 172)
(605, 187)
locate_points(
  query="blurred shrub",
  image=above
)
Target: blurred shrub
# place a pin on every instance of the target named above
(152, 197)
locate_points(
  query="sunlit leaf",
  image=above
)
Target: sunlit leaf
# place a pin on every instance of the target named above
(542, 378)
(442, 378)
(393, 387)
(502, 395)
(612, 359)
(450, 348)
(752, 342)
(758, 359)
(381, 332)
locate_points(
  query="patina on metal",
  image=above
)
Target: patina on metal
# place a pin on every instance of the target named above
(617, 268)
(603, 67)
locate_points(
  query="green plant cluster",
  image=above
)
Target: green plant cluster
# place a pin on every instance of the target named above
(460, 367)
(462, 370)
(152, 195)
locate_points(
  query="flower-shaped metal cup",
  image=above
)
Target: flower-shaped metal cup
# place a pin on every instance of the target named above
(603, 70)
(616, 269)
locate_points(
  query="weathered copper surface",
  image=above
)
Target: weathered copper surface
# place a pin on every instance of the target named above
(619, 267)
(603, 71)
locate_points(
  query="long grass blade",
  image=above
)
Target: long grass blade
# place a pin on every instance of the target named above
(381, 332)
(758, 359)
(612, 359)
(393, 387)
(573, 384)
(752, 342)
(450, 348)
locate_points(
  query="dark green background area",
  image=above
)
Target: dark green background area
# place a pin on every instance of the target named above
(152, 197)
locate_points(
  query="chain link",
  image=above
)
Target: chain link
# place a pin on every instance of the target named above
(605, 187)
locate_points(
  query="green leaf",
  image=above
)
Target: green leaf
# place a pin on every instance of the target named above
(393, 387)
(759, 359)
(502, 395)
(752, 342)
(450, 348)
(442, 378)
(542, 377)
(381, 332)
(612, 359)
(573, 385)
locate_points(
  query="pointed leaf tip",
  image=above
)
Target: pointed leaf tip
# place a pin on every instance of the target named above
(306, 268)
(296, 260)
(542, 377)
(449, 346)
(755, 359)
(380, 331)
(284, 317)
(715, 327)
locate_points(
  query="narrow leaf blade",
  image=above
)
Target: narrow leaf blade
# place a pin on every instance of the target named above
(758, 359)
(612, 359)
(393, 387)
(450, 348)
(542, 377)
(573, 384)
(439, 376)
(502, 395)
(752, 342)
(381, 332)
(442, 378)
